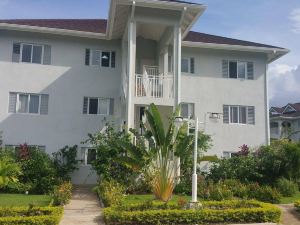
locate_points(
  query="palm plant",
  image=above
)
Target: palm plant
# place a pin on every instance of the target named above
(9, 171)
(168, 143)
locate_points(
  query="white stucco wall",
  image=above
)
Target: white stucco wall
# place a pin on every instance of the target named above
(210, 91)
(66, 81)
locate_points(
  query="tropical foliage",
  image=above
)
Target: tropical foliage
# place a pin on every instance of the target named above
(9, 171)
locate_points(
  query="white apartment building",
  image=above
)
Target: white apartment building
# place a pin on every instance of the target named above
(64, 78)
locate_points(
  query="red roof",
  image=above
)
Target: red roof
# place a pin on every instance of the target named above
(100, 26)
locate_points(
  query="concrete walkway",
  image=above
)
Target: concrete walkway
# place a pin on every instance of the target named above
(84, 208)
(289, 215)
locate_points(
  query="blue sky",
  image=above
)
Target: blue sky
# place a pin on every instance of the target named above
(273, 22)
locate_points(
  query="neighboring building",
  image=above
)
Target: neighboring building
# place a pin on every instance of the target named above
(62, 79)
(285, 122)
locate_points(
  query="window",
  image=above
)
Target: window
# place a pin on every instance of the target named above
(31, 53)
(97, 106)
(16, 148)
(238, 114)
(88, 156)
(28, 103)
(237, 69)
(187, 110)
(100, 58)
(274, 128)
(188, 65)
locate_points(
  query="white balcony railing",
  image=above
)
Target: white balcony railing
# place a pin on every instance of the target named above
(154, 86)
(151, 70)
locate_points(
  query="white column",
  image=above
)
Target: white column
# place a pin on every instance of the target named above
(166, 61)
(194, 177)
(131, 72)
(267, 106)
(177, 64)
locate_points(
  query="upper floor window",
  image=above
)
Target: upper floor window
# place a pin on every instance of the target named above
(28, 103)
(188, 65)
(95, 57)
(236, 114)
(187, 110)
(31, 53)
(237, 69)
(98, 106)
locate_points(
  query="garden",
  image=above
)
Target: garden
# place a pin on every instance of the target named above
(140, 183)
(33, 185)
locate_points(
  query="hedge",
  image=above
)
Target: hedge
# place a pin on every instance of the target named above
(36, 216)
(297, 205)
(212, 212)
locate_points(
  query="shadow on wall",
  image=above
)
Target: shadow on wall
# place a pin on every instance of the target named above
(65, 123)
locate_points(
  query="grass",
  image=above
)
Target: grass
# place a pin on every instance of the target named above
(287, 200)
(133, 199)
(7, 200)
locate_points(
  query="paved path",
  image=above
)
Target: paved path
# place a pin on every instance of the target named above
(289, 215)
(84, 208)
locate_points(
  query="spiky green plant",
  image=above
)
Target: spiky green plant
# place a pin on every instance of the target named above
(9, 171)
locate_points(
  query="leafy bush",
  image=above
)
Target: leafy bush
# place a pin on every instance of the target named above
(286, 187)
(111, 192)
(32, 216)
(263, 193)
(17, 187)
(212, 212)
(214, 191)
(297, 205)
(238, 189)
(62, 194)
(9, 171)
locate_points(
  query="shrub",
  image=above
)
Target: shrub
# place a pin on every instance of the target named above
(32, 216)
(62, 194)
(286, 187)
(214, 191)
(263, 193)
(9, 171)
(238, 189)
(212, 212)
(111, 192)
(297, 205)
(17, 187)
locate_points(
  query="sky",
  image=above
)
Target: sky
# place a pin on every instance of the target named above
(274, 22)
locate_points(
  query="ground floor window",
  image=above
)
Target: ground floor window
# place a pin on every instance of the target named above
(87, 156)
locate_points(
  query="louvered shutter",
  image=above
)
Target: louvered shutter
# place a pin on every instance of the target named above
(225, 114)
(47, 55)
(251, 115)
(85, 105)
(192, 65)
(111, 106)
(12, 102)
(113, 59)
(250, 71)
(44, 104)
(16, 52)
(225, 68)
(87, 56)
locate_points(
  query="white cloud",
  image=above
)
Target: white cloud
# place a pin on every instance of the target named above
(284, 83)
(295, 18)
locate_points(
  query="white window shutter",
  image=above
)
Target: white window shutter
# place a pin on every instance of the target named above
(85, 105)
(12, 102)
(192, 65)
(225, 68)
(47, 55)
(87, 56)
(225, 114)
(251, 115)
(44, 104)
(250, 70)
(16, 52)
(113, 59)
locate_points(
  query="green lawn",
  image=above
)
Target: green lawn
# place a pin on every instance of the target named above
(286, 200)
(132, 199)
(24, 200)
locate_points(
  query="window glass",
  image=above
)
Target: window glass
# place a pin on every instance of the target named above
(26, 53)
(170, 64)
(96, 57)
(103, 106)
(233, 114)
(243, 115)
(91, 156)
(34, 104)
(23, 103)
(93, 106)
(232, 69)
(242, 70)
(37, 54)
(184, 65)
(226, 155)
(184, 110)
(105, 58)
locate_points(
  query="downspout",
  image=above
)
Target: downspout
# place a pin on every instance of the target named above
(267, 105)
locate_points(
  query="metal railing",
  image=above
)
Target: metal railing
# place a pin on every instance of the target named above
(154, 86)
(151, 70)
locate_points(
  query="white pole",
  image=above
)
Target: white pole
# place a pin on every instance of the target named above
(194, 178)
